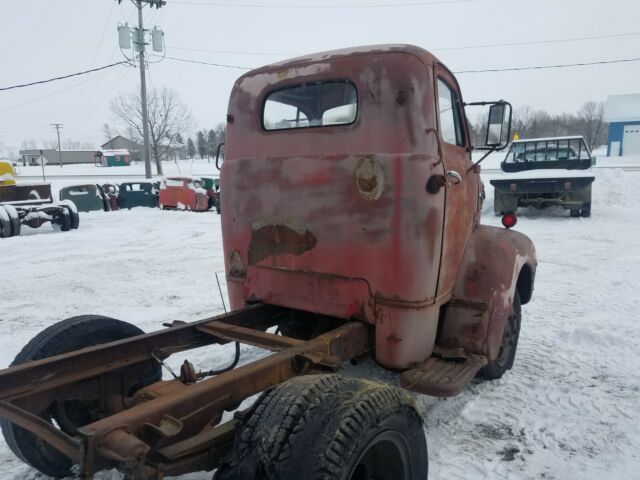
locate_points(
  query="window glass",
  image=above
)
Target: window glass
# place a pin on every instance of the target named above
(550, 150)
(449, 115)
(174, 182)
(312, 105)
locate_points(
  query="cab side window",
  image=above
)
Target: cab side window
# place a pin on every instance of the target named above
(449, 115)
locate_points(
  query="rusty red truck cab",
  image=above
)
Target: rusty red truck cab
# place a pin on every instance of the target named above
(350, 192)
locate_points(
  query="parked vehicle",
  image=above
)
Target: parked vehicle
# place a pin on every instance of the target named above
(352, 226)
(212, 186)
(544, 172)
(88, 197)
(183, 193)
(31, 204)
(111, 192)
(137, 194)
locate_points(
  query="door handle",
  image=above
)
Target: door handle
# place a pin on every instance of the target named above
(455, 175)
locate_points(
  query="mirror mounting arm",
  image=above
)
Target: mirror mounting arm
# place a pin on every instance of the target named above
(218, 155)
(489, 152)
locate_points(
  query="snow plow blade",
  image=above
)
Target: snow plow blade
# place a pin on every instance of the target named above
(442, 378)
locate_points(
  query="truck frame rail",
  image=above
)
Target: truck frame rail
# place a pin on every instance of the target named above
(172, 426)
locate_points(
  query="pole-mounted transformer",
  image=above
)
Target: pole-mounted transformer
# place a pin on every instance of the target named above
(128, 37)
(157, 39)
(124, 36)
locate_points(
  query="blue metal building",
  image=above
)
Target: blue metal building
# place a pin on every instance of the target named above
(622, 112)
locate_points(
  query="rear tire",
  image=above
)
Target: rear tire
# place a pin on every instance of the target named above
(14, 217)
(61, 220)
(330, 427)
(586, 211)
(65, 336)
(5, 223)
(574, 213)
(73, 213)
(507, 352)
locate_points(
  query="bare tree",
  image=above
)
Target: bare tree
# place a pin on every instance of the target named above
(109, 132)
(168, 118)
(522, 120)
(591, 123)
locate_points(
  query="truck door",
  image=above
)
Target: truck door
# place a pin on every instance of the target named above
(462, 193)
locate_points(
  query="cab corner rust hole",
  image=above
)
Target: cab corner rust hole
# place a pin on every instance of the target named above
(369, 179)
(237, 268)
(268, 239)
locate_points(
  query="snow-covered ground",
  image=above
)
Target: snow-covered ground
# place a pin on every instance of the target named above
(570, 408)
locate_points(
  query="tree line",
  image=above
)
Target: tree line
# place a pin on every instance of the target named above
(527, 122)
(207, 141)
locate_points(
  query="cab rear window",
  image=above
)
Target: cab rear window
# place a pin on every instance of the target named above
(311, 105)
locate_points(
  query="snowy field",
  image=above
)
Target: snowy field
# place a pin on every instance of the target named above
(570, 408)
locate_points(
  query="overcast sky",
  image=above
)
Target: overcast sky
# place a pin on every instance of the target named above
(41, 39)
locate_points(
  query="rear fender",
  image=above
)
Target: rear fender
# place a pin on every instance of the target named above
(496, 263)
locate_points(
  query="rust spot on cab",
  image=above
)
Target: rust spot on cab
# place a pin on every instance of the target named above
(278, 239)
(237, 268)
(369, 179)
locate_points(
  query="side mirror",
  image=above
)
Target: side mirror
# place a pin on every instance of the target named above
(497, 124)
(220, 145)
(498, 128)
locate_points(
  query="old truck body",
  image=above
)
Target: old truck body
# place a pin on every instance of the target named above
(183, 193)
(137, 194)
(89, 197)
(546, 172)
(31, 204)
(351, 224)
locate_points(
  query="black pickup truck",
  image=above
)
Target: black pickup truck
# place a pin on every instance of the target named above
(543, 172)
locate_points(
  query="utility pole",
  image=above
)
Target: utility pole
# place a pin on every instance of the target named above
(58, 126)
(143, 95)
(139, 40)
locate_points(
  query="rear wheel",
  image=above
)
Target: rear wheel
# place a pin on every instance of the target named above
(507, 353)
(61, 220)
(69, 414)
(574, 213)
(330, 427)
(14, 217)
(6, 224)
(73, 213)
(586, 210)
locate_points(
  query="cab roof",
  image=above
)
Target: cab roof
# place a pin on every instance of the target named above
(328, 55)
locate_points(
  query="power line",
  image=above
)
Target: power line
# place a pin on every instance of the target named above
(208, 63)
(437, 49)
(543, 67)
(64, 76)
(537, 42)
(13, 107)
(233, 52)
(322, 7)
(93, 61)
(508, 69)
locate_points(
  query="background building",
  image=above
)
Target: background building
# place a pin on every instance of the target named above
(121, 143)
(52, 156)
(622, 112)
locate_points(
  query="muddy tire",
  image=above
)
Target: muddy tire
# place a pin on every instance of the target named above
(507, 352)
(62, 337)
(329, 427)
